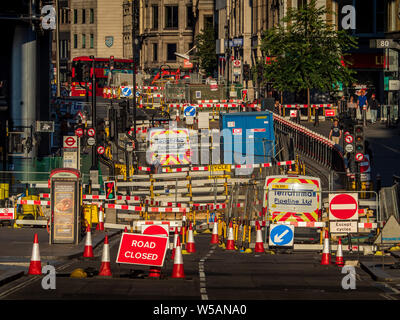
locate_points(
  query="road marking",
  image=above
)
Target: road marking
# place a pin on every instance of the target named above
(202, 275)
(387, 296)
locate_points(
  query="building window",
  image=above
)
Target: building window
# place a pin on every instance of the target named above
(83, 16)
(91, 15)
(67, 16)
(91, 41)
(171, 49)
(189, 17)
(155, 52)
(75, 16)
(83, 41)
(75, 41)
(208, 20)
(301, 3)
(171, 17)
(155, 17)
(61, 14)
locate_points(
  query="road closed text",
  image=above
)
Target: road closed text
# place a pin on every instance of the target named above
(142, 249)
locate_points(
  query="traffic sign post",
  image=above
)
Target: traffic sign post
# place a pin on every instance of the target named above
(141, 249)
(343, 206)
(91, 132)
(100, 150)
(281, 235)
(79, 132)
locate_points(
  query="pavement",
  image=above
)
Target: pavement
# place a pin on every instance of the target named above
(385, 145)
(15, 256)
(383, 268)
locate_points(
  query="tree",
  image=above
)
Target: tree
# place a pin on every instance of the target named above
(306, 52)
(206, 51)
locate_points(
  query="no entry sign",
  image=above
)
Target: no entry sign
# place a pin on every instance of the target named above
(156, 230)
(343, 206)
(79, 132)
(140, 249)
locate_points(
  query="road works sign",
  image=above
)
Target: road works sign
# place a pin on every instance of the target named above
(390, 233)
(281, 235)
(343, 206)
(142, 249)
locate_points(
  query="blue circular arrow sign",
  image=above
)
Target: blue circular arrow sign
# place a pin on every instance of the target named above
(281, 235)
(126, 92)
(189, 111)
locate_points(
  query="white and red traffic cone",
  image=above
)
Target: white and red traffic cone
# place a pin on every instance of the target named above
(35, 267)
(339, 254)
(190, 245)
(176, 237)
(177, 270)
(230, 242)
(88, 252)
(100, 225)
(326, 253)
(214, 236)
(126, 229)
(105, 269)
(259, 248)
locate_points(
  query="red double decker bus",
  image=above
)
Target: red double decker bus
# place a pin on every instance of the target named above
(81, 73)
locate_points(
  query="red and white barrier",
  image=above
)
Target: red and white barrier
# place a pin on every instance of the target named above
(34, 202)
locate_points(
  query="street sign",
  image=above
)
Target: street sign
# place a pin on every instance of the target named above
(343, 206)
(236, 63)
(189, 111)
(155, 230)
(141, 249)
(126, 91)
(349, 139)
(79, 132)
(220, 167)
(91, 141)
(359, 157)
(349, 148)
(281, 235)
(70, 142)
(343, 226)
(330, 112)
(100, 150)
(365, 166)
(44, 126)
(383, 44)
(91, 132)
(293, 113)
(7, 214)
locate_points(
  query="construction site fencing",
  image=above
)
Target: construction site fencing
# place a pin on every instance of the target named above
(324, 111)
(311, 144)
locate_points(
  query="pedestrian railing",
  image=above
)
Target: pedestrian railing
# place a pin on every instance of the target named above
(311, 144)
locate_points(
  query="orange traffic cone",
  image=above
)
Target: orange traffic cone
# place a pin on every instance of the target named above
(35, 267)
(339, 254)
(259, 241)
(88, 253)
(190, 245)
(177, 270)
(100, 225)
(176, 236)
(214, 236)
(230, 242)
(326, 253)
(105, 259)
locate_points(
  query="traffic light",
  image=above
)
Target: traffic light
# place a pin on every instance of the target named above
(111, 62)
(246, 71)
(85, 73)
(109, 188)
(359, 139)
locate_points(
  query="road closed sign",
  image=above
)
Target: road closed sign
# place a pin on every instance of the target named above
(140, 249)
(343, 206)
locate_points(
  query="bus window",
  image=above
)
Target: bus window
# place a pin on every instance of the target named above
(101, 82)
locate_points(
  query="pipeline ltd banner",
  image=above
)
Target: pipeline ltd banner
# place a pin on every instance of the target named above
(284, 199)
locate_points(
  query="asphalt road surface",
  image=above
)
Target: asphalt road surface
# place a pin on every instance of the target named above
(211, 274)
